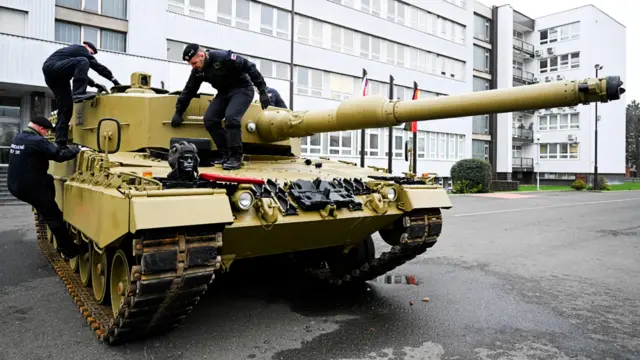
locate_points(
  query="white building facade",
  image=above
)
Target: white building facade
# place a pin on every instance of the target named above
(332, 42)
(562, 46)
(314, 52)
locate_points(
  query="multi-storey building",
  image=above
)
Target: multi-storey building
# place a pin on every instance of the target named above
(314, 54)
(558, 143)
(314, 59)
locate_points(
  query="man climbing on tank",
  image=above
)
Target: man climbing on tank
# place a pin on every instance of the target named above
(28, 180)
(72, 62)
(233, 77)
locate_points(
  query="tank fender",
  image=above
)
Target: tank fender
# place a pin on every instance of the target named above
(157, 211)
(413, 197)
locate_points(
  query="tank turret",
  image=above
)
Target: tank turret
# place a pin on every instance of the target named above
(144, 113)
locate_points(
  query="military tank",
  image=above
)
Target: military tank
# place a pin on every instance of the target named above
(155, 220)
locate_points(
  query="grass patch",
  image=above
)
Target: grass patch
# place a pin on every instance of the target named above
(614, 187)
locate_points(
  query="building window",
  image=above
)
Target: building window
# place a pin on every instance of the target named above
(340, 143)
(559, 151)
(13, 21)
(480, 149)
(234, 13)
(308, 81)
(560, 63)
(274, 21)
(559, 121)
(311, 144)
(372, 142)
(560, 33)
(481, 58)
(195, 8)
(480, 124)
(102, 38)
(112, 8)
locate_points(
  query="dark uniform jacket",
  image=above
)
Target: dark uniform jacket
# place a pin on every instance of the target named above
(225, 71)
(29, 161)
(275, 99)
(74, 51)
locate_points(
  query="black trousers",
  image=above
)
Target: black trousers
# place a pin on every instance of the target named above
(42, 198)
(57, 76)
(230, 106)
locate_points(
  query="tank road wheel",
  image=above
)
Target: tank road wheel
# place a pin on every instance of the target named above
(120, 280)
(100, 275)
(73, 263)
(84, 262)
(343, 264)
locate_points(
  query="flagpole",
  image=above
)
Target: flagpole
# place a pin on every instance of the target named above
(390, 166)
(363, 92)
(414, 128)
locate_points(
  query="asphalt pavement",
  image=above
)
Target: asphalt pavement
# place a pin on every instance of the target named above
(550, 276)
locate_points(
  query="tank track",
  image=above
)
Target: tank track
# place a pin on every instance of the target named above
(422, 229)
(163, 289)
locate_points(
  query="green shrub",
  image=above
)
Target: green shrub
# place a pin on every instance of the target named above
(603, 184)
(578, 185)
(464, 187)
(472, 174)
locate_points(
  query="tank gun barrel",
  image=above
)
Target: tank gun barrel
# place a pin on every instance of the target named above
(378, 111)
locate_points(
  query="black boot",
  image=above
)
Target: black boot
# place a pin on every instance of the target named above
(68, 248)
(234, 162)
(224, 156)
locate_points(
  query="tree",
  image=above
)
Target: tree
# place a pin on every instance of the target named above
(633, 135)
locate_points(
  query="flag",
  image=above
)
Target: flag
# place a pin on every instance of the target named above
(413, 126)
(416, 94)
(365, 83)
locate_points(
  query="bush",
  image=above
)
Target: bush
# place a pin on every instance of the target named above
(464, 187)
(578, 185)
(472, 175)
(603, 184)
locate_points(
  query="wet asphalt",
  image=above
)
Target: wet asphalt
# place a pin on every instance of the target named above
(554, 276)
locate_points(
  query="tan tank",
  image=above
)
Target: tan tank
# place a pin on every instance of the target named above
(154, 232)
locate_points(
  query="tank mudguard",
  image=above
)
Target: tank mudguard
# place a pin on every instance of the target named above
(173, 211)
(413, 197)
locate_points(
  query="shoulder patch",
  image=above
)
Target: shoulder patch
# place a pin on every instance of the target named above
(233, 56)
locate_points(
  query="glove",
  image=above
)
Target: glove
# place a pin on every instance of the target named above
(115, 82)
(264, 99)
(176, 120)
(100, 87)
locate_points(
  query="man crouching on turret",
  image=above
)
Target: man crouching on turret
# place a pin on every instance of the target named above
(233, 77)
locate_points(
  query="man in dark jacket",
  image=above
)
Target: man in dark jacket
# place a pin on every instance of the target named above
(29, 181)
(233, 77)
(275, 99)
(60, 67)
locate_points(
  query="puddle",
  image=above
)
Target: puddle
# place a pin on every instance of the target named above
(397, 279)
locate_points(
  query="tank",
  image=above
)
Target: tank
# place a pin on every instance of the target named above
(156, 221)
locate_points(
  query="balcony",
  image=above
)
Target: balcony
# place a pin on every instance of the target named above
(522, 76)
(522, 164)
(522, 135)
(523, 47)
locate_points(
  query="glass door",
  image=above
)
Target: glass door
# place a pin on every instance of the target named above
(9, 125)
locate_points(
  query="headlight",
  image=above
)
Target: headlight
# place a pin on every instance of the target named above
(392, 193)
(244, 200)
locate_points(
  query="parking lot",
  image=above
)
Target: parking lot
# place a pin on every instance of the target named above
(525, 276)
